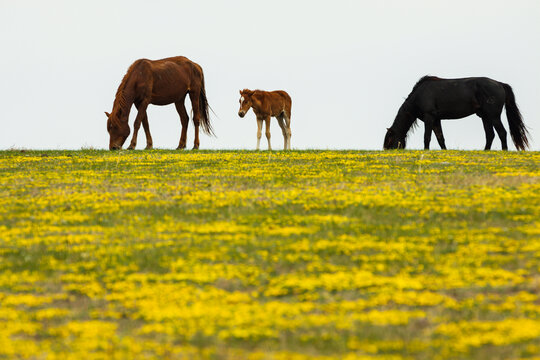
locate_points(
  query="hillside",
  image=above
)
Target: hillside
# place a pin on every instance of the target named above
(281, 255)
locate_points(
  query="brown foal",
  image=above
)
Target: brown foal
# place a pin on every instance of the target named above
(266, 104)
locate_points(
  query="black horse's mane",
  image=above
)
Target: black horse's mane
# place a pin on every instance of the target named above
(422, 80)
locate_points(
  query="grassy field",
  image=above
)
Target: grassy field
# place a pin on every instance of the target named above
(258, 255)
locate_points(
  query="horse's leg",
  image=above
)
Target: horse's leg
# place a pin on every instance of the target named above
(283, 130)
(259, 132)
(490, 133)
(501, 131)
(184, 119)
(146, 127)
(141, 114)
(428, 128)
(288, 126)
(437, 129)
(194, 97)
(268, 132)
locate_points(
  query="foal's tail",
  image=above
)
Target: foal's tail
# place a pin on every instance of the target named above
(518, 130)
(203, 107)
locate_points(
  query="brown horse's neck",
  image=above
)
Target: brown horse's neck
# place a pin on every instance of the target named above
(122, 105)
(124, 97)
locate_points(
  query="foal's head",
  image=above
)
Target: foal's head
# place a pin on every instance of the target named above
(393, 140)
(118, 131)
(245, 102)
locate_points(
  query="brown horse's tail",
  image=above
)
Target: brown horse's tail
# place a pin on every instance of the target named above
(518, 130)
(203, 107)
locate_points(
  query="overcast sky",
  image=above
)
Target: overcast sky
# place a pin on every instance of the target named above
(348, 65)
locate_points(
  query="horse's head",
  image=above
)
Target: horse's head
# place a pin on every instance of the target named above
(393, 140)
(396, 135)
(245, 102)
(118, 132)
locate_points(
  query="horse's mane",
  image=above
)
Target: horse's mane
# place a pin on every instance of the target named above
(408, 101)
(248, 91)
(422, 80)
(120, 99)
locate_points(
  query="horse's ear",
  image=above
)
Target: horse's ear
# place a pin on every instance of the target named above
(108, 115)
(240, 91)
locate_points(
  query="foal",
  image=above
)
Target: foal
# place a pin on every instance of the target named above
(266, 104)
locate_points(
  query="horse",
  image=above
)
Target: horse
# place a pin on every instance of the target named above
(158, 82)
(266, 104)
(433, 99)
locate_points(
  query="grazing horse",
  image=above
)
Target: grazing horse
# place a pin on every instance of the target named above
(158, 82)
(434, 99)
(266, 104)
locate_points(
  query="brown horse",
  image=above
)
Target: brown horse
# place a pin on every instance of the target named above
(266, 104)
(158, 82)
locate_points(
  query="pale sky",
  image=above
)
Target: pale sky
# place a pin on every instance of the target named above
(348, 65)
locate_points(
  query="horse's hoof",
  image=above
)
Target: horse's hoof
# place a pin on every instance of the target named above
(131, 148)
(148, 147)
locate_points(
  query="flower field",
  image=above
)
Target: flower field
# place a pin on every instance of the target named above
(269, 255)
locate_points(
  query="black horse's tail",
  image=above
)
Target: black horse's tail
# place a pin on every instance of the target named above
(518, 130)
(203, 107)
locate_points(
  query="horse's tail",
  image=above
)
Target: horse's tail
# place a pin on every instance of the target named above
(203, 107)
(518, 130)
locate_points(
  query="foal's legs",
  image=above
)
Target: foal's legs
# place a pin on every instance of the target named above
(141, 114)
(259, 132)
(285, 124)
(288, 125)
(283, 130)
(437, 129)
(268, 132)
(490, 134)
(194, 97)
(501, 131)
(184, 119)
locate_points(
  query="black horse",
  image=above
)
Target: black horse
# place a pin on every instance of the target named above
(433, 99)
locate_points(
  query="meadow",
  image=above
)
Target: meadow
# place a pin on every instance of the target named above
(269, 255)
